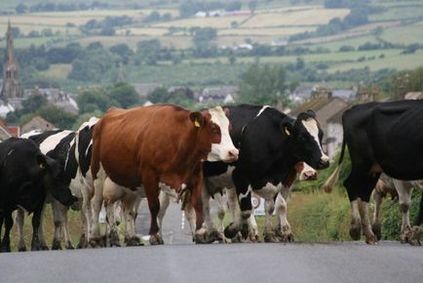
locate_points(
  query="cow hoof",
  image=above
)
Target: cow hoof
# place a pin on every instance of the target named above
(411, 236)
(22, 249)
(82, 242)
(269, 237)
(355, 233)
(44, 248)
(114, 239)
(69, 246)
(231, 231)
(56, 245)
(96, 242)
(284, 234)
(371, 239)
(5, 249)
(377, 230)
(133, 242)
(156, 240)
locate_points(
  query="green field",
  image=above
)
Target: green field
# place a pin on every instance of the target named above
(405, 35)
(398, 62)
(396, 13)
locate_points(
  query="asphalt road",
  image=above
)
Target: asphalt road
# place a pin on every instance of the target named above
(181, 261)
(299, 262)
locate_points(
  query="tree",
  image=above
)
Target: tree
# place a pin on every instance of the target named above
(33, 103)
(263, 85)
(57, 116)
(92, 65)
(252, 5)
(125, 94)
(148, 51)
(123, 51)
(158, 95)
(92, 100)
(21, 8)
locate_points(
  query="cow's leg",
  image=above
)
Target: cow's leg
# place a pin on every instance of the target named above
(408, 234)
(200, 232)
(365, 222)
(268, 234)
(235, 214)
(152, 190)
(95, 239)
(41, 237)
(189, 214)
(1, 226)
(220, 216)
(253, 232)
(243, 191)
(36, 223)
(376, 222)
(20, 220)
(8, 223)
(283, 230)
(164, 200)
(58, 224)
(355, 227)
(66, 233)
(85, 217)
(112, 230)
(205, 197)
(129, 206)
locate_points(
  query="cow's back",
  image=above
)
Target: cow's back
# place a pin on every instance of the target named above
(126, 140)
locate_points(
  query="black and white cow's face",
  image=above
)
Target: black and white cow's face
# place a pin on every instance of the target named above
(54, 181)
(307, 137)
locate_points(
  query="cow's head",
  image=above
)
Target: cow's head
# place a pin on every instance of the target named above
(214, 127)
(53, 179)
(306, 136)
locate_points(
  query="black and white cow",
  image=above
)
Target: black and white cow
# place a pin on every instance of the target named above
(381, 137)
(271, 144)
(55, 144)
(215, 186)
(26, 176)
(401, 190)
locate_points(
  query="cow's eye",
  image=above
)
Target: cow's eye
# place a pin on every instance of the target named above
(215, 129)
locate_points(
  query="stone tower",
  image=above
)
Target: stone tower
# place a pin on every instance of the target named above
(11, 88)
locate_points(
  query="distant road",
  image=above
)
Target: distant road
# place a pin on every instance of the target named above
(281, 263)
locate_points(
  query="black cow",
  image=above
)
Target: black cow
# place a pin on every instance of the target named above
(271, 144)
(381, 137)
(26, 175)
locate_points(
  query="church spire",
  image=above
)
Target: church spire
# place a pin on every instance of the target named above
(9, 44)
(11, 87)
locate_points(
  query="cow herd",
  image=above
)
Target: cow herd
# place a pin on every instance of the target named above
(164, 152)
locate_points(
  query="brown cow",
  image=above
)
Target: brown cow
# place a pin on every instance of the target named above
(157, 146)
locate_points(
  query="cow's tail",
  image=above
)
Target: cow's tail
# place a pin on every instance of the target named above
(333, 178)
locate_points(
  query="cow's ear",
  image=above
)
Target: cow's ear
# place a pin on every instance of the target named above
(311, 113)
(197, 119)
(227, 112)
(286, 128)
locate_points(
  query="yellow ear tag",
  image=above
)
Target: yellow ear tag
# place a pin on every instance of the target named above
(197, 124)
(287, 131)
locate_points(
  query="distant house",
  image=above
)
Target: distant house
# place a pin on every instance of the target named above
(5, 108)
(57, 98)
(222, 94)
(37, 123)
(7, 130)
(328, 111)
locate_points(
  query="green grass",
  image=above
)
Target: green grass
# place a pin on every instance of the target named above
(354, 41)
(75, 226)
(398, 13)
(398, 62)
(57, 71)
(185, 74)
(405, 34)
